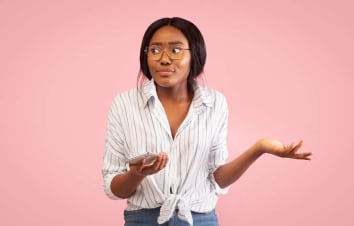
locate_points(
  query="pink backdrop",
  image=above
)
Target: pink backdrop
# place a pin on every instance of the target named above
(286, 68)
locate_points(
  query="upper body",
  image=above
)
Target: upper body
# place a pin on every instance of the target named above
(182, 121)
(137, 124)
(171, 115)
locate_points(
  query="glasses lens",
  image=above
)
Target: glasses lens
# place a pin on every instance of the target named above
(174, 53)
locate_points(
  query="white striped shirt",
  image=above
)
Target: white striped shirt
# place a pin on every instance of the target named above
(137, 123)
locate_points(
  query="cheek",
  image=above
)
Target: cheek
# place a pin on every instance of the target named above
(150, 65)
(185, 64)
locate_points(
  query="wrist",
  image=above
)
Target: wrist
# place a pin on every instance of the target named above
(136, 175)
(258, 148)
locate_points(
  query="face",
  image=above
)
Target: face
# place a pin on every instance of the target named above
(167, 71)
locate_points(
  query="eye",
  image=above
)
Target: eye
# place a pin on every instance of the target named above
(155, 50)
(176, 50)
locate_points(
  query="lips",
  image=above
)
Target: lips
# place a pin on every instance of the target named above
(165, 71)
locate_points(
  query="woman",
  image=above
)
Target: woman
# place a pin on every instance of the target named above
(185, 125)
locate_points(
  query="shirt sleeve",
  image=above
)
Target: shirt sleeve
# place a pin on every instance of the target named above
(219, 152)
(114, 158)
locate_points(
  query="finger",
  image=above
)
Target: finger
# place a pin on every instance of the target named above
(141, 165)
(161, 163)
(137, 165)
(304, 156)
(297, 147)
(307, 155)
(140, 162)
(158, 162)
(288, 148)
(164, 162)
(149, 164)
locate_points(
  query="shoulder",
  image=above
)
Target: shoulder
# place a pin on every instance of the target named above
(212, 95)
(126, 96)
(124, 99)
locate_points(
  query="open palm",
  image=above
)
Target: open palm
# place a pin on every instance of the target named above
(275, 147)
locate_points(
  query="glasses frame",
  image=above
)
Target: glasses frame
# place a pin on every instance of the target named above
(164, 50)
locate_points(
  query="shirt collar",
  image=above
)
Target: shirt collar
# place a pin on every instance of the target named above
(148, 91)
(202, 97)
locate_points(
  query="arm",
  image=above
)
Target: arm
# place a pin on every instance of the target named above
(229, 173)
(124, 185)
(119, 180)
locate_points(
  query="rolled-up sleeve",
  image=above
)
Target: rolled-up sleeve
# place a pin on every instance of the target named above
(114, 159)
(219, 151)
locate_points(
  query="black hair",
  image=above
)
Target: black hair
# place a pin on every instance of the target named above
(195, 40)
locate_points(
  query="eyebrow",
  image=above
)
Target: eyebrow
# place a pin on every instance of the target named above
(169, 43)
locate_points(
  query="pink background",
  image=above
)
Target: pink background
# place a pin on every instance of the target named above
(286, 68)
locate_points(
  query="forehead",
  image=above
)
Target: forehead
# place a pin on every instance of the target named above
(168, 35)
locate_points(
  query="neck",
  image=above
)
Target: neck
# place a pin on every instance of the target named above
(174, 94)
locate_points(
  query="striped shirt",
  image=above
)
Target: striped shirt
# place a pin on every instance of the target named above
(137, 123)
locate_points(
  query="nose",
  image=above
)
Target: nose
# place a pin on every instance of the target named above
(165, 58)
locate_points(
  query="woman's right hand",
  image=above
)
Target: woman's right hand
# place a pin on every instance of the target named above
(141, 169)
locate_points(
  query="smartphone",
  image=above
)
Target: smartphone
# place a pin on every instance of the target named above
(150, 158)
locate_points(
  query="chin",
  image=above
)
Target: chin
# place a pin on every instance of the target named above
(165, 84)
(168, 81)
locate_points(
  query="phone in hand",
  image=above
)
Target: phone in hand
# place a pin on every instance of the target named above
(150, 158)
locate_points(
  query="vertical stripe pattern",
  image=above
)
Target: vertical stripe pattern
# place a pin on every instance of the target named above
(137, 124)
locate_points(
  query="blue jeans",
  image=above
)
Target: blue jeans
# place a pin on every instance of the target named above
(148, 217)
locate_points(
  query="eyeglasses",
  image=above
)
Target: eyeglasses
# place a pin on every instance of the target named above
(173, 52)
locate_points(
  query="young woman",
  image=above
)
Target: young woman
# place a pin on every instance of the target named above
(185, 125)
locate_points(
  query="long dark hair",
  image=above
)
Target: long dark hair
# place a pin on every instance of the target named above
(195, 40)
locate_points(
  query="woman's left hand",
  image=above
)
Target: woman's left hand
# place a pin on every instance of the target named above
(275, 147)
